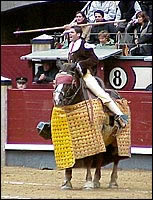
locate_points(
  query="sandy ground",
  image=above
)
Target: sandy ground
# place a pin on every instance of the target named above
(31, 183)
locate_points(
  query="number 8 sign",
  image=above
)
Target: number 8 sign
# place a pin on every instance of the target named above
(118, 78)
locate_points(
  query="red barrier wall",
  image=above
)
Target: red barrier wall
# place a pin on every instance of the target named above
(26, 108)
(11, 65)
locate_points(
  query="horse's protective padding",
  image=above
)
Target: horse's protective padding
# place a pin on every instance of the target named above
(61, 138)
(75, 133)
(123, 136)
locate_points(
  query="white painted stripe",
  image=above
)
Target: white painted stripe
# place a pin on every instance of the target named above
(14, 197)
(21, 183)
(140, 150)
(50, 147)
(37, 147)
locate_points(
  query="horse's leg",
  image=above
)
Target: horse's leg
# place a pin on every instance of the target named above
(88, 163)
(113, 181)
(97, 174)
(67, 180)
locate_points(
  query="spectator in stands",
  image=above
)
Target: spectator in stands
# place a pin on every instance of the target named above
(46, 73)
(108, 7)
(105, 41)
(110, 28)
(21, 83)
(126, 11)
(147, 7)
(81, 18)
(142, 30)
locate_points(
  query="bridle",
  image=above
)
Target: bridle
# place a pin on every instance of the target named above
(72, 97)
(68, 79)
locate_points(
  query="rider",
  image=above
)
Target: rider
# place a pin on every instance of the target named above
(83, 54)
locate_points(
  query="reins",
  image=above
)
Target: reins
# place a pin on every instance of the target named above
(73, 96)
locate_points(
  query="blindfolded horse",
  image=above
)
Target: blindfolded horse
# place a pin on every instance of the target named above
(70, 89)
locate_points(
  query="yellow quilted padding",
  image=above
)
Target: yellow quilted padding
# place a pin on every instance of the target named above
(62, 140)
(74, 134)
(77, 131)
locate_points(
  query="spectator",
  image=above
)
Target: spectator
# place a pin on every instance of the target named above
(110, 28)
(105, 41)
(21, 83)
(143, 35)
(46, 73)
(147, 7)
(108, 7)
(80, 18)
(126, 11)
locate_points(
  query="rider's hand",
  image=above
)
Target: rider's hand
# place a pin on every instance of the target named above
(79, 69)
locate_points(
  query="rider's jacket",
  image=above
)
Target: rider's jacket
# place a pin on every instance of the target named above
(83, 53)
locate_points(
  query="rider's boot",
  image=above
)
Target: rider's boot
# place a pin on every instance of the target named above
(121, 118)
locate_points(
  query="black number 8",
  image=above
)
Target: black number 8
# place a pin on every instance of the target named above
(117, 78)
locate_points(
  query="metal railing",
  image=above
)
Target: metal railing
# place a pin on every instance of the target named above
(119, 38)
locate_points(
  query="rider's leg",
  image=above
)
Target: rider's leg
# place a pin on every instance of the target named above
(93, 85)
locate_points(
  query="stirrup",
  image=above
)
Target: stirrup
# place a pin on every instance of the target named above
(122, 120)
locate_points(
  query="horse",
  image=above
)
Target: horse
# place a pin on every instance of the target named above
(70, 89)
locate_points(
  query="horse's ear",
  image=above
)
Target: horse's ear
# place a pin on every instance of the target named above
(59, 64)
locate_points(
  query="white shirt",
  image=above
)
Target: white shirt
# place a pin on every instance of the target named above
(108, 7)
(74, 46)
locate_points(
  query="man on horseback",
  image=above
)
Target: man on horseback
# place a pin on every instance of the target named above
(83, 54)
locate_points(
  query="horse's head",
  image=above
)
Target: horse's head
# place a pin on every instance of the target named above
(65, 84)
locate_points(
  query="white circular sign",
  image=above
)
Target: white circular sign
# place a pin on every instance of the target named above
(117, 78)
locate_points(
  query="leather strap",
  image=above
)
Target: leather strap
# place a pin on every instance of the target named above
(86, 93)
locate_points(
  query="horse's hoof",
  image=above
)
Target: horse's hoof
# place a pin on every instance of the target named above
(113, 185)
(66, 185)
(96, 184)
(88, 185)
